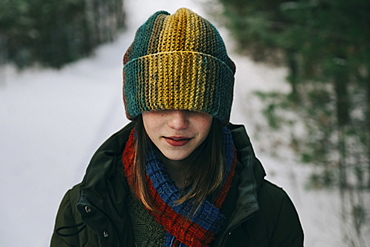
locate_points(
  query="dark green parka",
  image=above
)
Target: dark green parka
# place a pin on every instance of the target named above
(94, 212)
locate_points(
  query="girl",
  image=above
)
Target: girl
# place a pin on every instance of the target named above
(179, 174)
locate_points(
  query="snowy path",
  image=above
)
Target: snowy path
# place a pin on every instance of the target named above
(52, 122)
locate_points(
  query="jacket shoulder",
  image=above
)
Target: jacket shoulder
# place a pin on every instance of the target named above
(66, 216)
(272, 193)
(277, 217)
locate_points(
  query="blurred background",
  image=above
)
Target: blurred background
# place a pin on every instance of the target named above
(302, 91)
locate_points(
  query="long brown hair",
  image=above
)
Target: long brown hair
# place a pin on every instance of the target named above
(204, 172)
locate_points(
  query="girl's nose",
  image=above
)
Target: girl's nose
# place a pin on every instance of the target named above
(178, 120)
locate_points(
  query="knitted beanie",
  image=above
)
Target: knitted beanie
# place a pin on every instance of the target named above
(178, 62)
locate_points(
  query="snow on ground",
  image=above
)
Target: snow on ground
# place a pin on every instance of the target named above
(52, 122)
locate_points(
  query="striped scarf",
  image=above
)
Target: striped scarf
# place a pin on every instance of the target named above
(198, 230)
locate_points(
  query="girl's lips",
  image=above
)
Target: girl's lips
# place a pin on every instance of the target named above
(177, 141)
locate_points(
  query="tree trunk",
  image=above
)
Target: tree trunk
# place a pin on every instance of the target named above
(368, 126)
(293, 75)
(343, 119)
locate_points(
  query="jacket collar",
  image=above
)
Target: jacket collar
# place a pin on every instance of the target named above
(251, 176)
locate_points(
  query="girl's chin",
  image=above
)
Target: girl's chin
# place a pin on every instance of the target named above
(175, 156)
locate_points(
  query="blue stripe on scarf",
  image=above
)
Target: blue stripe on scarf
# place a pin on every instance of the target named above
(207, 216)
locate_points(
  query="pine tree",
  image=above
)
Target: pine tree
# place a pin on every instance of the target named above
(55, 33)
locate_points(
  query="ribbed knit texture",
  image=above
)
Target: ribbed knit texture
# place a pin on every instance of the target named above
(147, 231)
(201, 228)
(179, 62)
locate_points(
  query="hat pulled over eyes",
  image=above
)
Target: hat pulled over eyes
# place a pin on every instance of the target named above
(178, 62)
